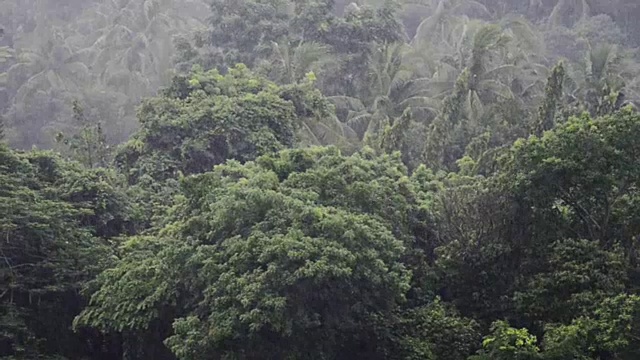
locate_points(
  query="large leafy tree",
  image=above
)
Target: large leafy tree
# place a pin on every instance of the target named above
(204, 119)
(303, 254)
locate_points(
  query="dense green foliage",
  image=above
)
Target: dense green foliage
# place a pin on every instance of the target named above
(319, 179)
(57, 223)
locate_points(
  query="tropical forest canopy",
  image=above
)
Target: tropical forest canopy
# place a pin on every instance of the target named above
(319, 179)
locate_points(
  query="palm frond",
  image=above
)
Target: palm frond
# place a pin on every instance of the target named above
(347, 103)
(530, 90)
(500, 71)
(359, 122)
(524, 33)
(306, 56)
(472, 8)
(427, 26)
(574, 6)
(421, 102)
(497, 88)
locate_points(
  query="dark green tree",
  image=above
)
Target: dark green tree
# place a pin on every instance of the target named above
(553, 97)
(297, 255)
(57, 221)
(204, 119)
(507, 250)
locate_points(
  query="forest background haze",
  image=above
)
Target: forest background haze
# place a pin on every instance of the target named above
(319, 179)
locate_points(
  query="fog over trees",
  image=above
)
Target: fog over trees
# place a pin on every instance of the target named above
(319, 179)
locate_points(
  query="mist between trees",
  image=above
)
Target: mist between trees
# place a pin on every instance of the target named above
(289, 179)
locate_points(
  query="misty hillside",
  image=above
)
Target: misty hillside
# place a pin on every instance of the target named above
(319, 179)
(109, 55)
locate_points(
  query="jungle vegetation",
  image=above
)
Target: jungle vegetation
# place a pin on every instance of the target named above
(319, 179)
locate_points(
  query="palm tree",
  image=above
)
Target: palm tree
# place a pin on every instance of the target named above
(290, 64)
(6, 54)
(606, 72)
(393, 89)
(296, 66)
(108, 54)
(133, 54)
(319, 124)
(438, 18)
(42, 79)
(506, 61)
(495, 78)
(53, 66)
(326, 129)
